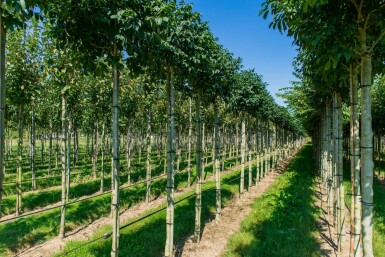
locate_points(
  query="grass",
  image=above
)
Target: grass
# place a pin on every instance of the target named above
(283, 221)
(134, 240)
(38, 228)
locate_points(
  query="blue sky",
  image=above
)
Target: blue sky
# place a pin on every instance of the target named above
(239, 28)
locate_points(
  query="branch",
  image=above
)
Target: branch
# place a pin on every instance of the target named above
(361, 4)
(377, 41)
(355, 4)
(100, 47)
(345, 67)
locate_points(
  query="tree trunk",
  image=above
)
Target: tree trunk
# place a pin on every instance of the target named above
(148, 160)
(102, 152)
(217, 163)
(236, 144)
(366, 145)
(170, 91)
(355, 244)
(115, 159)
(199, 173)
(50, 148)
(68, 159)
(189, 146)
(243, 146)
(128, 155)
(341, 190)
(33, 148)
(19, 160)
(63, 164)
(249, 149)
(2, 103)
(57, 151)
(329, 157)
(165, 151)
(95, 159)
(203, 150)
(179, 148)
(257, 151)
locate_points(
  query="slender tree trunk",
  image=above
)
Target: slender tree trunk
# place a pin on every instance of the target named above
(115, 160)
(258, 167)
(33, 148)
(19, 160)
(2, 102)
(224, 148)
(199, 173)
(178, 151)
(128, 155)
(63, 164)
(42, 147)
(57, 151)
(366, 143)
(335, 163)
(95, 159)
(165, 151)
(170, 91)
(249, 150)
(204, 150)
(341, 192)
(329, 158)
(148, 160)
(50, 148)
(266, 157)
(68, 159)
(102, 152)
(217, 162)
(189, 146)
(236, 144)
(75, 144)
(243, 146)
(355, 244)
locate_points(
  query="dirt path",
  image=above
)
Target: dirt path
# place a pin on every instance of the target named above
(327, 233)
(216, 233)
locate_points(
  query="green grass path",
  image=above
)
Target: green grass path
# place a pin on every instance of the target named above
(283, 220)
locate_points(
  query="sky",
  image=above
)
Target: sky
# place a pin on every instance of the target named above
(239, 28)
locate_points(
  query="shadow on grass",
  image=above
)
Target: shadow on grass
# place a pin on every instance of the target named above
(283, 222)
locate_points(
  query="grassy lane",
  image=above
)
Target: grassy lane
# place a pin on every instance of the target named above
(283, 221)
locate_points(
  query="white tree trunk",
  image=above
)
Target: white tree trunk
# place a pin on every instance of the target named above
(199, 172)
(243, 146)
(217, 163)
(169, 248)
(63, 165)
(115, 159)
